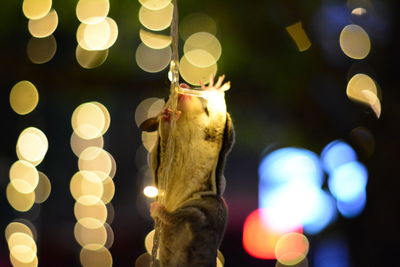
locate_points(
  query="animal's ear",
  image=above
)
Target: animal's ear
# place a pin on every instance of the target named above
(149, 125)
(227, 143)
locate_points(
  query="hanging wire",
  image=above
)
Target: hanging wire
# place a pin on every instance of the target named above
(170, 148)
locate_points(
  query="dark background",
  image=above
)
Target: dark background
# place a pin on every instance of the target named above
(279, 97)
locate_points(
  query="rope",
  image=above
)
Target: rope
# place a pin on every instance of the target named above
(170, 148)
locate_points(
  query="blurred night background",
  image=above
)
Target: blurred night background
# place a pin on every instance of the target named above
(280, 97)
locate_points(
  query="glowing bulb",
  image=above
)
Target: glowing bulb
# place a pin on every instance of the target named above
(150, 191)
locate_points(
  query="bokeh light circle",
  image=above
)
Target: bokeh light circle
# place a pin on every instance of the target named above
(348, 181)
(90, 120)
(24, 176)
(24, 97)
(17, 227)
(152, 60)
(90, 59)
(337, 153)
(196, 22)
(95, 159)
(96, 258)
(45, 26)
(155, 41)
(36, 9)
(41, 50)
(86, 187)
(90, 216)
(32, 145)
(195, 75)
(92, 11)
(156, 20)
(20, 202)
(90, 236)
(291, 248)
(202, 41)
(79, 144)
(355, 42)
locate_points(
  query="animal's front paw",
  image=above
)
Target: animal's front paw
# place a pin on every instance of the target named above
(155, 209)
(218, 86)
(167, 114)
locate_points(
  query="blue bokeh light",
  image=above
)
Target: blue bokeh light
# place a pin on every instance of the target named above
(352, 208)
(324, 214)
(336, 154)
(348, 181)
(290, 187)
(288, 165)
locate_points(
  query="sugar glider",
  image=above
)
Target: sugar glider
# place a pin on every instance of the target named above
(193, 214)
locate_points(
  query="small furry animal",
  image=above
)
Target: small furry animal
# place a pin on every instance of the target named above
(193, 214)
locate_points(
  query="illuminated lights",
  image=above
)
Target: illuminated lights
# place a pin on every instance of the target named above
(149, 107)
(195, 75)
(92, 11)
(93, 36)
(359, 11)
(202, 49)
(152, 60)
(353, 208)
(148, 241)
(32, 145)
(90, 120)
(24, 176)
(41, 50)
(86, 236)
(150, 191)
(337, 153)
(348, 181)
(24, 97)
(155, 4)
(299, 36)
(149, 139)
(97, 160)
(79, 144)
(90, 59)
(354, 42)
(45, 26)
(91, 216)
(155, 41)
(290, 164)
(17, 227)
(156, 20)
(22, 247)
(92, 186)
(196, 22)
(94, 258)
(291, 248)
(303, 263)
(100, 36)
(298, 204)
(358, 84)
(36, 9)
(86, 187)
(259, 240)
